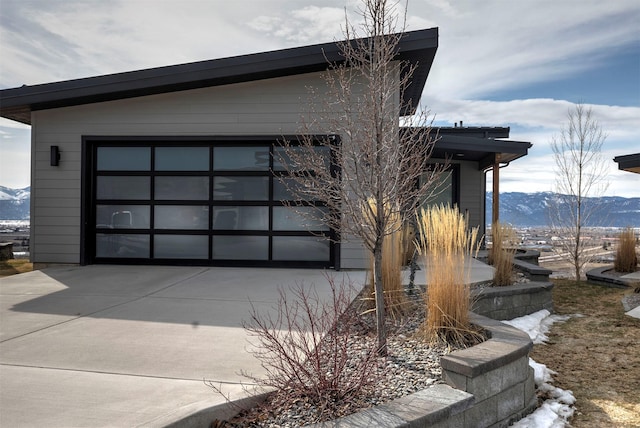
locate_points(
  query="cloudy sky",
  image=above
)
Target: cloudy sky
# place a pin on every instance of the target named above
(521, 64)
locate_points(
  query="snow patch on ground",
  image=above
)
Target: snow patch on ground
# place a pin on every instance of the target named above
(557, 408)
(537, 325)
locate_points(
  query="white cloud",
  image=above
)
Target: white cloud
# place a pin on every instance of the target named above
(307, 25)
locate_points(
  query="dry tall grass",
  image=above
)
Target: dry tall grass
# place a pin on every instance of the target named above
(446, 243)
(626, 258)
(501, 253)
(394, 253)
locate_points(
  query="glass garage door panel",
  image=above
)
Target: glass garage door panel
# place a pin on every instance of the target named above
(287, 189)
(241, 247)
(124, 159)
(240, 218)
(182, 188)
(181, 247)
(122, 216)
(241, 158)
(190, 217)
(240, 188)
(110, 187)
(282, 162)
(298, 219)
(307, 248)
(182, 159)
(122, 246)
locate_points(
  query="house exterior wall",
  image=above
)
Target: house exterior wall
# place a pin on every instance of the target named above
(267, 107)
(472, 193)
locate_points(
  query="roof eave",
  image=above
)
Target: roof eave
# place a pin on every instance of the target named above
(629, 163)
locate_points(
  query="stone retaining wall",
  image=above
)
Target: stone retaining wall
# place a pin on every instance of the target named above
(532, 271)
(496, 373)
(512, 301)
(600, 276)
(529, 256)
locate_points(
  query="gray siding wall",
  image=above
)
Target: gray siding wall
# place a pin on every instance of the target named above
(472, 193)
(267, 107)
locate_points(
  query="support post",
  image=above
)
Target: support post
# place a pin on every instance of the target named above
(495, 211)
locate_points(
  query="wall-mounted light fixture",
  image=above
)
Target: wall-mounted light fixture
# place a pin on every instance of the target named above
(55, 156)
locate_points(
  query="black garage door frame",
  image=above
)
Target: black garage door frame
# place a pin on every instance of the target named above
(95, 233)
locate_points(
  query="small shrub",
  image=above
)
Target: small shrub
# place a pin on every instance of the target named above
(626, 258)
(446, 244)
(501, 253)
(304, 348)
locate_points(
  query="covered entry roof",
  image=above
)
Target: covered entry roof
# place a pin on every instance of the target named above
(416, 47)
(478, 144)
(629, 163)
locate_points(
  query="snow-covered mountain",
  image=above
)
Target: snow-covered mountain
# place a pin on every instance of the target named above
(14, 203)
(532, 209)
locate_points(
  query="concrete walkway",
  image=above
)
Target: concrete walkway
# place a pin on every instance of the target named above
(99, 346)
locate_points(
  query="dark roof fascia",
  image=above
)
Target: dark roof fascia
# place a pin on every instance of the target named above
(472, 131)
(486, 145)
(468, 139)
(417, 47)
(628, 162)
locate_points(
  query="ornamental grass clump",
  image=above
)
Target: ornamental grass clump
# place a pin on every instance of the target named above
(501, 253)
(394, 253)
(626, 258)
(446, 244)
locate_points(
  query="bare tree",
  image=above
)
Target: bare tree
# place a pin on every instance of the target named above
(580, 177)
(377, 172)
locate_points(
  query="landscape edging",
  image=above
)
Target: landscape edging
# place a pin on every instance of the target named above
(599, 276)
(512, 301)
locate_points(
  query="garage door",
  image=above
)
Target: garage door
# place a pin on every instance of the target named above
(220, 202)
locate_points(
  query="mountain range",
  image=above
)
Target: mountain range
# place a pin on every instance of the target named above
(14, 203)
(532, 209)
(516, 208)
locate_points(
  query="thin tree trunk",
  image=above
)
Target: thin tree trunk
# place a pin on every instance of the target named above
(379, 298)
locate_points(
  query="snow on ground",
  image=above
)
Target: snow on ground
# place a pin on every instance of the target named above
(557, 408)
(537, 325)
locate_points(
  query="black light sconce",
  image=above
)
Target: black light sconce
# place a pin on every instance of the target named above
(55, 156)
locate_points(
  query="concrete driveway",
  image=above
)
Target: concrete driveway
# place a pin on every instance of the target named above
(129, 345)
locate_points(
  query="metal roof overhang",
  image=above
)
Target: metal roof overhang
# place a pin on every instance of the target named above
(478, 144)
(629, 163)
(485, 151)
(416, 47)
